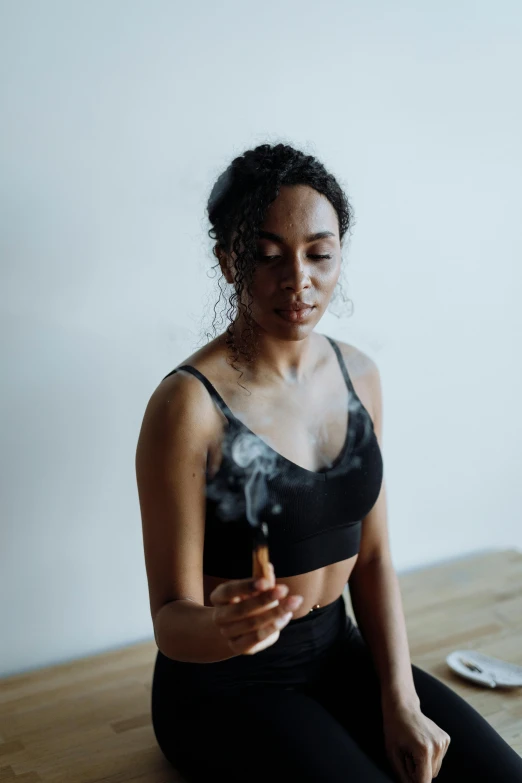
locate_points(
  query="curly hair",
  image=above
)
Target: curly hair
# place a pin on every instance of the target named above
(238, 204)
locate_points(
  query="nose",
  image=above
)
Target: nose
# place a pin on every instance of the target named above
(295, 276)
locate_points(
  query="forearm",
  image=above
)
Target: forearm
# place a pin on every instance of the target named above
(184, 631)
(377, 605)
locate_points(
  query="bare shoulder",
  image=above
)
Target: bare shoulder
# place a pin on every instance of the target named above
(359, 363)
(181, 404)
(183, 386)
(179, 395)
(210, 360)
(365, 376)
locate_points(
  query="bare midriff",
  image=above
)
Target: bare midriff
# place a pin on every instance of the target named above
(318, 588)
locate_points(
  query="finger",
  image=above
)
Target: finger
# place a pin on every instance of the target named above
(400, 768)
(423, 767)
(237, 589)
(250, 643)
(268, 642)
(279, 616)
(243, 644)
(437, 760)
(409, 767)
(406, 768)
(230, 613)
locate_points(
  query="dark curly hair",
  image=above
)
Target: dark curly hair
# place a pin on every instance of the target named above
(238, 203)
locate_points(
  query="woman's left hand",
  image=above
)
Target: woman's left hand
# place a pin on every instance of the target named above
(415, 745)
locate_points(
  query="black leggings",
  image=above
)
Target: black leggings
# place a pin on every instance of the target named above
(308, 709)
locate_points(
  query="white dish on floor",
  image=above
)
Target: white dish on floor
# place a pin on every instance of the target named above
(492, 672)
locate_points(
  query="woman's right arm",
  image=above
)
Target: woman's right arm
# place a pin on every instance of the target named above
(171, 460)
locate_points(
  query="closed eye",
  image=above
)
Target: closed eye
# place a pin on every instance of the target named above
(270, 258)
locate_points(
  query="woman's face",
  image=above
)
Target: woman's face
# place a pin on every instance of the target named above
(293, 266)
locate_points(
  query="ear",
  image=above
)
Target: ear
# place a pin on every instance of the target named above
(224, 263)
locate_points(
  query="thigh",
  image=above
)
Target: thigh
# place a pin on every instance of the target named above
(350, 690)
(262, 733)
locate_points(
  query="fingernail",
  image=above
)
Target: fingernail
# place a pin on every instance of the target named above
(261, 584)
(295, 601)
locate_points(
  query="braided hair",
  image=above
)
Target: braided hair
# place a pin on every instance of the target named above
(238, 204)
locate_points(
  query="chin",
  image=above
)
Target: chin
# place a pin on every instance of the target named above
(294, 329)
(271, 323)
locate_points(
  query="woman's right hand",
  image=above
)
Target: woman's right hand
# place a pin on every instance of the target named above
(251, 617)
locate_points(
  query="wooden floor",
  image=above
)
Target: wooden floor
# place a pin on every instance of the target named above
(89, 721)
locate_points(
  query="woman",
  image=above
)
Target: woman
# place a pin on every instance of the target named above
(271, 680)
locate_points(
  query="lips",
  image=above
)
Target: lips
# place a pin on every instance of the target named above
(299, 312)
(294, 306)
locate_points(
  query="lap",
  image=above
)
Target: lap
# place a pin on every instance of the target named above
(330, 728)
(259, 733)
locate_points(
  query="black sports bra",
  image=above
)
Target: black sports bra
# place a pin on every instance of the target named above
(313, 517)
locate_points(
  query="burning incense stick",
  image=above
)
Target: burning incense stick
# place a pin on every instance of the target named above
(260, 555)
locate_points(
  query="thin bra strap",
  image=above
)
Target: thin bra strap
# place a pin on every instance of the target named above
(342, 364)
(221, 402)
(210, 388)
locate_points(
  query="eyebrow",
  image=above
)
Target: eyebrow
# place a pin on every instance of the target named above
(310, 238)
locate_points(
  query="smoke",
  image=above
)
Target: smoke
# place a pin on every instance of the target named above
(252, 454)
(241, 490)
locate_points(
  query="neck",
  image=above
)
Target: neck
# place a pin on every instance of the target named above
(286, 361)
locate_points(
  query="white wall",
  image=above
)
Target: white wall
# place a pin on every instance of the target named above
(117, 119)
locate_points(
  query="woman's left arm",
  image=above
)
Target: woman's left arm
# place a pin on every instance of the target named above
(377, 605)
(415, 744)
(373, 584)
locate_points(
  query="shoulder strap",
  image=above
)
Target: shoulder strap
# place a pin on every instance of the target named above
(218, 399)
(221, 402)
(342, 364)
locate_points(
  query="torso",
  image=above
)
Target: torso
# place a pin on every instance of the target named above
(305, 424)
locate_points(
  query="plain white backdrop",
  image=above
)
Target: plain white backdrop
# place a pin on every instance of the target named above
(117, 118)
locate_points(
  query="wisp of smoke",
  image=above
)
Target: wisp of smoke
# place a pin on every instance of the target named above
(249, 452)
